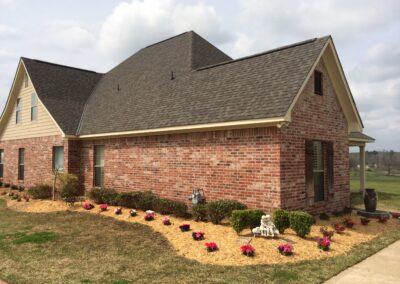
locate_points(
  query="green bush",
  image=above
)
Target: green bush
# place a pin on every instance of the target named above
(324, 216)
(242, 219)
(301, 222)
(103, 195)
(199, 212)
(180, 209)
(218, 210)
(146, 201)
(69, 186)
(164, 206)
(41, 191)
(128, 199)
(13, 186)
(6, 185)
(281, 220)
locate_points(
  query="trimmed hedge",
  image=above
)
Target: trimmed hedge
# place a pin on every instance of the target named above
(249, 218)
(69, 187)
(167, 206)
(218, 210)
(103, 195)
(41, 191)
(281, 220)
(301, 222)
(199, 212)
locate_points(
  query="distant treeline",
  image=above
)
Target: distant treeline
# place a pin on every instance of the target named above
(380, 160)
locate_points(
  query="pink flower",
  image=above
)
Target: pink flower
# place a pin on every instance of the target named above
(324, 243)
(103, 207)
(211, 246)
(199, 235)
(166, 221)
(247, 249)
(87, 205)
(118, 211)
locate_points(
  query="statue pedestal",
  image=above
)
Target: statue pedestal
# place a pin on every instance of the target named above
(376, 214)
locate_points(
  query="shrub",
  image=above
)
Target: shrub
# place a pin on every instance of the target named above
(300, 222)
(166, 206)
(337, 213)
(347, 210)
(146, 200)
(69, 187)
(218, 210)
(249, 218)
(13, 186)
(103, 195)
(324, 216)
(281, 220)
(199, 212)
(6, 185)
(128, 199)
(41, 191)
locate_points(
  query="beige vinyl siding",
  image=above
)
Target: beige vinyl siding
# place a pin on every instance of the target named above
(43, 126)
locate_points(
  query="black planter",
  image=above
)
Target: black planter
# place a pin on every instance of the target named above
(370, 199)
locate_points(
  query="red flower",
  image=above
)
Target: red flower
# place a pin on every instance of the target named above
(211, 246)
(247, 249)
(198, 235)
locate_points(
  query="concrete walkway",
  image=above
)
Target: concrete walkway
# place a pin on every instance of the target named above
(382, 267)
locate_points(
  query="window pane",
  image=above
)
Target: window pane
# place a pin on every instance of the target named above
(1, 156)
(98, 176)
(318, 162)
(21, 156)
(33, 100)
(58, 159)
(99, 155)
(319, 186)
(98, 166)
(21, 172)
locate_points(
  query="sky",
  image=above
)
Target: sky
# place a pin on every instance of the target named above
(99, 34)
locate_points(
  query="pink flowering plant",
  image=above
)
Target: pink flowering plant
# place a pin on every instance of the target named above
(211, 246)
(118, 211)
(364, 221)
(103, 207)
(383, 219)
(339, 228)
(87, 205)
(184, 227)
(286, 249)
(324, 243)
(166, 221)
(198, 236)
(248, 250)
(133, 213)
(348, 222)
(149, 216)
(327, 233)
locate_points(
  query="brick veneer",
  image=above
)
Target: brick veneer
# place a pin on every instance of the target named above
(315, 117)
(38, 159)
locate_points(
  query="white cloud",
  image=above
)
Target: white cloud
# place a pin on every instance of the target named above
(71, 35)
(136, 24)
(8, 32)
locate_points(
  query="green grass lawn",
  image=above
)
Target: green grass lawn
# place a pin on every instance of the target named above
(388, 188)
(72, 247)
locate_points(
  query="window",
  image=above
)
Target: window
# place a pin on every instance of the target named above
(21, 163)
(1, 163)
(98, 180)
(318, 171)
(58, 158)
(26, 80)
(318, 83)
(18, 109)
(34, 110)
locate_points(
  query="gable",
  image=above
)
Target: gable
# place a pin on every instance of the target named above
(339, 83)
(44, 125)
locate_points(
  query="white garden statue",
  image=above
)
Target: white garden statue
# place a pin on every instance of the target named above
(267, 228)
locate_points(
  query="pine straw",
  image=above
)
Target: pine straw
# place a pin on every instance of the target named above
(227, 239)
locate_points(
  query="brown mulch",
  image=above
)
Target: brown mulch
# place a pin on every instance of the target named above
(227, 239)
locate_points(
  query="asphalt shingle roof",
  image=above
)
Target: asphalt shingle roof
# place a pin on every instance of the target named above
(181, 81)
(63, 90)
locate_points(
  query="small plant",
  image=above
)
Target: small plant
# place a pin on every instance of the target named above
(200, 212)
(327, 233)
(132, 213)
(103, 207)
(286, 249)
(337, 213)
(211, 246)
(324, 216)
(339, 228)
(26, 198)
(19, 198)
(87, 206)
(150, 215)
(166, 221)
(220, 209)
(365, 221)
(348, 222)
(248, 218)
(347, 210)
(14, 197)
(301, 222)
(11, 194)
(198, 236)
(3, 193)
(6, 185)
(383, 219)
(281, 220)
(118, 211)
(13, 186)
(248, 250)
(324, 243)
(41, 191)
(184, 227)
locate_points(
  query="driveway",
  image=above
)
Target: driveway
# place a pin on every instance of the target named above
(382, 267)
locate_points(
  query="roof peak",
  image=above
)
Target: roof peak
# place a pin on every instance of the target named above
(58, 65)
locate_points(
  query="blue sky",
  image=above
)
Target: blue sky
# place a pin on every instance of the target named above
(98, 34)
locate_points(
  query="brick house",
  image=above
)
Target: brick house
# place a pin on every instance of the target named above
(271, 129)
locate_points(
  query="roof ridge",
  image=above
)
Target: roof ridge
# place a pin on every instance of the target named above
(261, 53)
(172, 37)
(59, 65)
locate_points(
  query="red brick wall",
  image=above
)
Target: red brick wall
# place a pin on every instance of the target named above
(38, 159)
(315, 117)
(234, 164)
